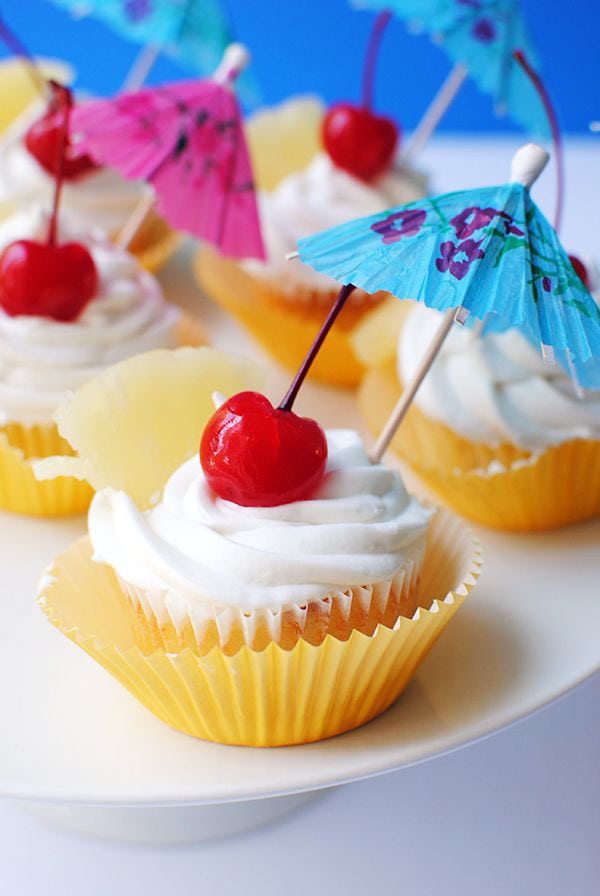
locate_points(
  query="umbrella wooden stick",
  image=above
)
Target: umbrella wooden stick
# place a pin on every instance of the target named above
(141, 68)
(405, 400)
(436, 111)
(527, 164)
(136, 220)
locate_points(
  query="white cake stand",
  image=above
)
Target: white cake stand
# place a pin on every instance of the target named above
(78, 748)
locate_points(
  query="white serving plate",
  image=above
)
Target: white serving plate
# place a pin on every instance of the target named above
(75, 742)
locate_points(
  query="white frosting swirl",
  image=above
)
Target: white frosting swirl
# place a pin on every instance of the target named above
(359, 528)
(315, 199)
(100, 198)
(496, 389)
(41, 359)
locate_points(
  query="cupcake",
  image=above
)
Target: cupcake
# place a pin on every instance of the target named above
(92, 196)
(494, 432)
(44, 357)
(283, 303)
(258, 624)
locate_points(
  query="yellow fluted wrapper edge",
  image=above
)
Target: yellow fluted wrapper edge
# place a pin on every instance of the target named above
(271, 697)
(20, 491)
(504, 487)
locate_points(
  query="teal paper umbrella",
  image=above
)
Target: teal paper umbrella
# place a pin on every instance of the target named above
(488, 253)
(195, 32)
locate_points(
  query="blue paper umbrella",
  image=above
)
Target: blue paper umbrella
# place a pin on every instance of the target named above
(480, 35)
(195, 32)
(489, 253)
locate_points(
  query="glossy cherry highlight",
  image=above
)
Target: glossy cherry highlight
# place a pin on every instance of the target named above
(256, 455)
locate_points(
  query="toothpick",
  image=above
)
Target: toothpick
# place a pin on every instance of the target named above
(136, 221)
(436, 111)
(404, 402)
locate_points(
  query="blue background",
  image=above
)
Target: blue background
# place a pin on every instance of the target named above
(318, 46)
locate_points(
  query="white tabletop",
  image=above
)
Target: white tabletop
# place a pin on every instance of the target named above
(515, 814)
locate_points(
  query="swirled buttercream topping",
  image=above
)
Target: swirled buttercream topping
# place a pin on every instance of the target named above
(41, 359)
(315, 199)
(496, 389)
(358, 529)
(100, 198)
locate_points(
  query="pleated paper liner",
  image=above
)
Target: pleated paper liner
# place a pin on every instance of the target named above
(271, 697)
(20, 491)
(503, 487)
(155, 243)
(167, 620)
(20, 445)
(283, 324)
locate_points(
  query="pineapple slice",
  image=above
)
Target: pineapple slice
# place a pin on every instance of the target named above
(284, 138)
(136, 422)
(375, 339)
(18, 90)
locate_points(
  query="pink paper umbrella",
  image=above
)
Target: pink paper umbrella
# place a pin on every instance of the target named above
(187, 140)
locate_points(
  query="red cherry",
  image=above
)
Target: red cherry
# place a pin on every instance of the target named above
(359, 141)
(581, 270)
(259, 456)
(55, 281)
(43, 140)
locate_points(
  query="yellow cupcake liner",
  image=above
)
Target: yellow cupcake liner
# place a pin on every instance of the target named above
(155, 243)
(503, 487)
(285, 327)
(21, 446)
(20, 491)
(272, 697)
(166, 620)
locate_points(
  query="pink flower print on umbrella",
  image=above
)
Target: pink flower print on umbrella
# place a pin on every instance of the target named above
(187, 140)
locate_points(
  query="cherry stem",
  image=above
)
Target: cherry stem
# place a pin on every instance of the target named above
(14, 43)
(63, 96)
(554, 127)
(381, 23)
(292, 393)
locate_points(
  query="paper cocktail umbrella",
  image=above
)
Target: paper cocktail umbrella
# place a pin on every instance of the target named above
(195, 32)
(186, 139)
(489, 253)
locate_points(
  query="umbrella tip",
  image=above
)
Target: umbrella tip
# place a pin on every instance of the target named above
(527, 164)
(235, 59)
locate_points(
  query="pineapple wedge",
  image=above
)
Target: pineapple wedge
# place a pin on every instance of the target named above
(136, 422)
(18, 89)
(284, 138)
(375, 339)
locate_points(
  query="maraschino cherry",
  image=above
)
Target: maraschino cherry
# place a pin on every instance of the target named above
(259, 456)
(48, 279)
(357, 140)
(43, 141)
(581, 270)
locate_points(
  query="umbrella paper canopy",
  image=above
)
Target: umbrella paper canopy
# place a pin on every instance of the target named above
(194, 31)
(489, 251)
(482, 35)
(187, 140)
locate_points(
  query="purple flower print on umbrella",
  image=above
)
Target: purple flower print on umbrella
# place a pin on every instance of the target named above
(410, 220)
(484, 31)
(474, 218)
(136, 10)
(451, 257)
